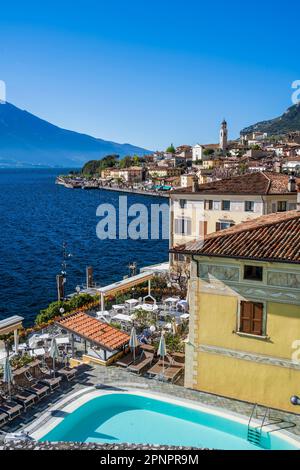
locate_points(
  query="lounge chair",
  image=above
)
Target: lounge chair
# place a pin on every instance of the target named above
(166, 370)
(11, 408)
(35, 386)
(3, 419)
(125, 361)
(68, 373)
(143, 362)
(45, 378)
(20, 396)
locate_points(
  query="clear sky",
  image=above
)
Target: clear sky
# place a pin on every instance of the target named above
(150, 72)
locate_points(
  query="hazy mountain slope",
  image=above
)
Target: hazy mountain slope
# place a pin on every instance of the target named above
(28, 140)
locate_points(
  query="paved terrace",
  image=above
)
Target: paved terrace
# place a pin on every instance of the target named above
(120, 378)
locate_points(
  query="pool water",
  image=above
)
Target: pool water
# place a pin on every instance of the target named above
(117, 418)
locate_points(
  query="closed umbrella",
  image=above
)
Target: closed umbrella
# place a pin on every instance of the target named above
(7, 375)
(133, 342)
(54, 353)
(162, 352)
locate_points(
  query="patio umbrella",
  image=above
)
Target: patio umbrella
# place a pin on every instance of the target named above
(7, 375)
(162, 352)
(54, 353)
(133, 341)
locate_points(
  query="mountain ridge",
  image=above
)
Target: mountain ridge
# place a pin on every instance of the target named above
(27, 140)
(289, 121)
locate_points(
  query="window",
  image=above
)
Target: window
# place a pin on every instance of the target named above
(225, 205)
(281, 206)
(208, 205)
(249, 206)
(251, 318)
(253, 273)
(178, 257)
(223, 225)
(183, 226)
(182, 203)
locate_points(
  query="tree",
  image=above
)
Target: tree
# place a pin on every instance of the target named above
(208, 152)
(171, 149)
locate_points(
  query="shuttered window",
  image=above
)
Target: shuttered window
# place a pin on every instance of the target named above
(203, 228)
(251, 318)
(183, 226)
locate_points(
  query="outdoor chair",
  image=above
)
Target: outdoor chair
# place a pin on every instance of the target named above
(68, 373)
(52, 382)
(3, 419)
(143, 362)
(36, 386)
(11, 408)
(20, 396)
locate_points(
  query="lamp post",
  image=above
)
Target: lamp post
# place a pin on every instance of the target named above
(295, 400)
(78, 289)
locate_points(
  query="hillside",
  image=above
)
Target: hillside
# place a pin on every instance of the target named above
(288, 122)
(26, 140)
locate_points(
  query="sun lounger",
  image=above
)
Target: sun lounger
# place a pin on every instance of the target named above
(170, 371)
(35, 386)
(142, 363)
(125, 361)
(68, 373)
(24, 397)
(45, 378)
(11, 408)
(19, 395)
(3, 419)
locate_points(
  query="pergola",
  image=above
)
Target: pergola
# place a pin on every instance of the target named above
(124, 285)
(12, 325)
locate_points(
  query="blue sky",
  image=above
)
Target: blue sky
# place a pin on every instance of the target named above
(150, 72)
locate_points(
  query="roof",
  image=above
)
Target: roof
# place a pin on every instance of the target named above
(91, 329)
(10, 322)
(273, 237)
(264, 183)
(126, 283)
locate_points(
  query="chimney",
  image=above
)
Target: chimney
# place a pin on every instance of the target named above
(292, 187)
(298, 197)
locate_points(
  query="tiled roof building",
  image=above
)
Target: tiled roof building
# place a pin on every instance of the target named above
(274, 237)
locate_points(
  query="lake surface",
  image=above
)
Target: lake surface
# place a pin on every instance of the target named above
(36, 217)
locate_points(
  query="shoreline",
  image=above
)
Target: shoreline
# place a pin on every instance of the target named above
(75, 183)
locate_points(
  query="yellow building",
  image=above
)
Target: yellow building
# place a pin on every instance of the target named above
(244, 339)
(199, 210)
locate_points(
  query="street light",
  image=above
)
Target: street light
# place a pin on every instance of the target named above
(295, 400)
(62, 310)
(78, 289)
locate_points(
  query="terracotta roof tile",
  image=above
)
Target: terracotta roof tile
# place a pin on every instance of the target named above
(90, 328)
(274, 237)
(253, 183)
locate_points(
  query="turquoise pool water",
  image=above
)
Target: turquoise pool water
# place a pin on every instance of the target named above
(116, 418)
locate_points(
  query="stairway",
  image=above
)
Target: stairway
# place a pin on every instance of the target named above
(257, 422)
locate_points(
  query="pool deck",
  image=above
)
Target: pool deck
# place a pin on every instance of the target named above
(122, 379)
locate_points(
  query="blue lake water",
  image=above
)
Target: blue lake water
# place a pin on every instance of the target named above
(36, 216)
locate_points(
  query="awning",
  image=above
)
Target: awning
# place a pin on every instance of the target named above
(126, 284)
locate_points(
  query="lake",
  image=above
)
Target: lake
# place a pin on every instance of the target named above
(36, 217)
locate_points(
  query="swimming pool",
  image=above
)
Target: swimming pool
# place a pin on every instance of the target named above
(141, 419)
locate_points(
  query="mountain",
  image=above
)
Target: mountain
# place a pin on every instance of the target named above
(288, 122)
(26, 140)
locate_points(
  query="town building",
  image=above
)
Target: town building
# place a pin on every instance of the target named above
(133, 174)
(244, 299)
(199, 210)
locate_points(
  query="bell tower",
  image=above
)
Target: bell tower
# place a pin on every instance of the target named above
(223, 136)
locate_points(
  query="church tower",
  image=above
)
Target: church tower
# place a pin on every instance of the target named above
(223, 136)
